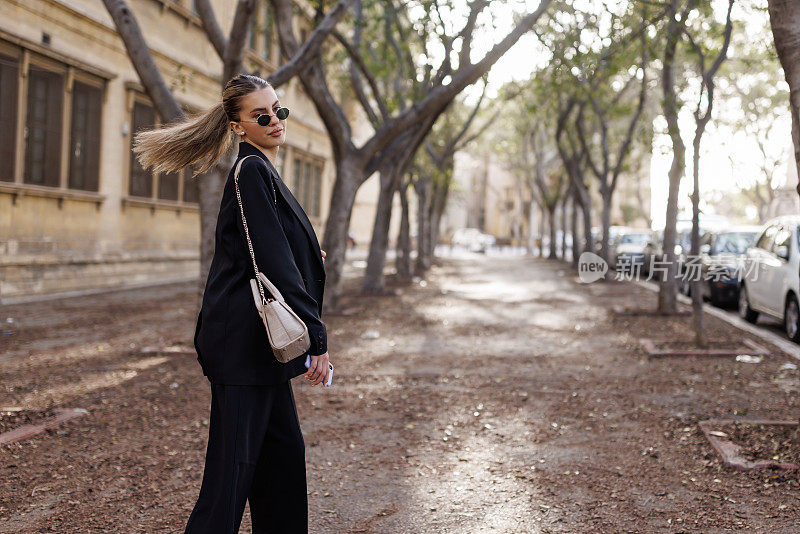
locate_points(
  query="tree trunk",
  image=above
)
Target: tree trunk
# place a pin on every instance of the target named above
(551, 221)
(605, 218)
(376, 259)
(211, 186)
(697, 297)
(784, 16)
(337, 225)
(585, 203)
(667, 294)
(531, 241)
(403, 250)
(438, 203)
(564, 227)
(583, 198)
(422, 186)
(391, 176)
(586, 215)
(436, 219)
(542, 229)
(701, 120)
(574, 224)
(439, 193)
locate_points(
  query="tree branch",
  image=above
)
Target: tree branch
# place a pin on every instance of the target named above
(299, 60)
(139, 53)
(211, 26)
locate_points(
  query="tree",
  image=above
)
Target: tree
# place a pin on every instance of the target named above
(702, 114)
(784, 16)
(681, 31)
(599, 78)
(527, 142)
(450, 134)
(609, 99)
(573, 156)
(668, 290)
(355, 164)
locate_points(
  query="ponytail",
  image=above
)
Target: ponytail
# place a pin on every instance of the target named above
(204, 137)
(199, 138)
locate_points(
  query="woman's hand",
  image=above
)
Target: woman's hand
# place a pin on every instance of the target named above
(323, 255)
(318, 370)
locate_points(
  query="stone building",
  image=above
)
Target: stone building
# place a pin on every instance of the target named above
(77, 212)
(489, 196)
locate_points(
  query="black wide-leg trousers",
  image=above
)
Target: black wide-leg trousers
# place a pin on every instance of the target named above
(255, 453)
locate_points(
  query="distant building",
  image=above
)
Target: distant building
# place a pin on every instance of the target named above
(76, 209)
(489, 196)
(786, 200)
(485, 195)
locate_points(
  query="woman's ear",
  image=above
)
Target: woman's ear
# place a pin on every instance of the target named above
(233, 126)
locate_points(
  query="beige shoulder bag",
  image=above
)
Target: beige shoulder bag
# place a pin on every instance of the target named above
(287, 333)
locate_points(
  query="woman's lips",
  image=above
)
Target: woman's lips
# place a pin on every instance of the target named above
(277, 132)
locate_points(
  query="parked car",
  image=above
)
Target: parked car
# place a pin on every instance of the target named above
(472, 239)
(629, 247)
(683, 247)
(652, 250)
(721, 259)
(613, 232)
(771, 275)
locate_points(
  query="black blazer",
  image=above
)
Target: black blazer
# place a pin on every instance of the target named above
(230, 338)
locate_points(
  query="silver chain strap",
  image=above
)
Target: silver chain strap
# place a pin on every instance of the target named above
(246, 231)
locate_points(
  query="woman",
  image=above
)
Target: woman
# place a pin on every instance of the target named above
(255, 449)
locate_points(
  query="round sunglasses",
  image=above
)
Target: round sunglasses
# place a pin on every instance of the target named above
(263, 119)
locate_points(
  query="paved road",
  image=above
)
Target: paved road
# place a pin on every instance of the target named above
(499, 396)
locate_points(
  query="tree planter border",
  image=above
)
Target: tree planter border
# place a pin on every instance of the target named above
(728, 451)
(748, 347)
(627, 311)
(30, 430)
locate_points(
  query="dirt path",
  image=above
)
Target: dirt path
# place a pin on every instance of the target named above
(501, 397)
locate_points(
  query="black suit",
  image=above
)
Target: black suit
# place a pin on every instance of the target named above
(230, 338)
(256, 451)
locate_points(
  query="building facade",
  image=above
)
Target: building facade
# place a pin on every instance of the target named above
(786, 200)
(77, 211)
(486, 195)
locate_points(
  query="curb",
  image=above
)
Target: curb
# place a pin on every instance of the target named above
(789, 347)
(751, 347)
(27, 431)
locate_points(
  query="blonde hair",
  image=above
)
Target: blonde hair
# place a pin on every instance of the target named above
(203, 137)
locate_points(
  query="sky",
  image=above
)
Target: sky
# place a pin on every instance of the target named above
(717, 172)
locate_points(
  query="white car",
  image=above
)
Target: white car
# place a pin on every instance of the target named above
(771, 275)
(472, 239)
